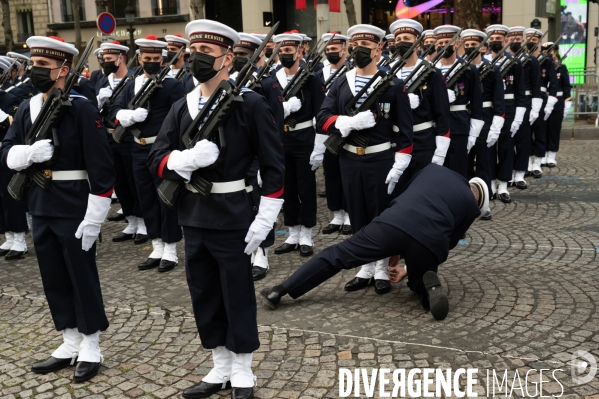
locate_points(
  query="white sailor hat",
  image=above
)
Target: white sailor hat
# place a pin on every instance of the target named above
(428, 32)
(497, 29)
(211, 32)
(114, 47)
(406, 25)
(516, 31)
(305, 37)
(390, 37)
(51, 47)
(483, 194)
(150, 44)
(446, 31)
(9, 61)
(473, 35)
(18, 56)
(98, 52)
(547, 45)
(338, 39)
(248, 41)
(4, 64)
(533, 32)
(176, 40)
(366, 32)
(289, 39)
(261, 36)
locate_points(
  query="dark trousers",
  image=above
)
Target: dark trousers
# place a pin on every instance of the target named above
(457, 154)
(12, 213)
(420, 158)
(376, 241)
(252, 179)
(332, 182)
(124, 185)
(220, 282)
(501, 155)
(539, 133)
(69, 275)
(522, 144)
(554, 126)
(161, 221)
(365, 189)
(300, 188)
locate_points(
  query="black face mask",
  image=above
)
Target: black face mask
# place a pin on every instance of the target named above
(392, 49)
(334, 58)
(287, 60)
(363, 56)
(469, 50)
(427, 49)
(239, 63)
(269, 52)
(515, 47)
(495, 46)
(170, 55)
(448, 52)
(41, 79)
(403, 47)
(152, 68)
(110, 67)
(530, 46)
(202, 66)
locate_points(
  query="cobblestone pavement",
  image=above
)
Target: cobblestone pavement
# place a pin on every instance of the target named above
(523, 290)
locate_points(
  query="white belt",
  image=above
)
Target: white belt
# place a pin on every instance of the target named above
(373, 149)
(560, 93)
(422, 126)
(544, 89)
(144, 140)
(487, 104)
(66, 174)
(528, 93)
(508, 97)
(299, 126)
(458, 108)
(225, 187)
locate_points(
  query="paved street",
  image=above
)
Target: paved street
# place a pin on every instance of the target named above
(523, 291)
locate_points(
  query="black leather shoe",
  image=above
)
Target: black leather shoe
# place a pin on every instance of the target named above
(166, 265)
(140, 239)
(521, 185)
(306, 250)
(204, 390)
(116, 217)
(259, 272)
(437, 298)
(85, 371)
(505, 198)
(551, 165)
(346, 230)
(242, 393)
(528, 173)
(331, 228)
(382, 286)
(322, 194)
(357, 283)
(537, 174)
(487, 216)
(14, 255)
(50, 364)
(283, 249)
(271, 297)
(4, 251)
(150, 263)
(123, 237)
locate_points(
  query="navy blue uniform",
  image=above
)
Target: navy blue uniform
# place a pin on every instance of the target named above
(548, 88)
(86, 89)
(523, 139)
(554, 123)
(189, 82)
(69, 274)
(219, 274)
(96, 76)
(23, 90)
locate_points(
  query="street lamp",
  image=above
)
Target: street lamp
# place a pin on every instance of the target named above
(130, 17)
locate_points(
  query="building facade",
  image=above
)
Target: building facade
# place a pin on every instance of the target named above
(27, 18)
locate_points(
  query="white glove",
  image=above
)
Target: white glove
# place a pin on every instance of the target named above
(129, 117)
(518, 119)
(317, 155)
(400, 164)
(441, 150)
(104, 94)
(203, 154)
(293, 105)
(537, 103)
(265, 219)
(451, 95)
(567, 106)
(3, 116)
(89, 229)
(495, 130)
(22, 156)
(476, 125)
(414, 100)
(346, 124)
(259, 179)
(438, 160)
(549, 106)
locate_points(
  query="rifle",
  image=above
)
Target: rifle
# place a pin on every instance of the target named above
(206, 125)
(563, 57)
(344, 68)
(487, 67)
(256, 79)
(45, 127)
(142, 98)
(525, 57)
(510, 61)
(457, 69)
(380, 83)
(115, 94)
(6, 75)
(544, 55)
(388, 60)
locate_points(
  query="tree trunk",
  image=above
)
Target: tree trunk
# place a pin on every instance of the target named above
(76, 5)
(350, 11)
(197, 9)
(468, 14)
(8, 37)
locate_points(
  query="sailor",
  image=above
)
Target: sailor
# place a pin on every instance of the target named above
(217, 240)
(388, 154)
(299, 212)
(24, 60)
(5, 63)
(98, 73)
(421, 225)
(174, 44)
(428, 49)
(160, 220)
(68, 214)
(465, 103)
(23, 89)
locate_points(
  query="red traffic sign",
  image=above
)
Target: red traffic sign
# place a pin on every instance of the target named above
(106, 23)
